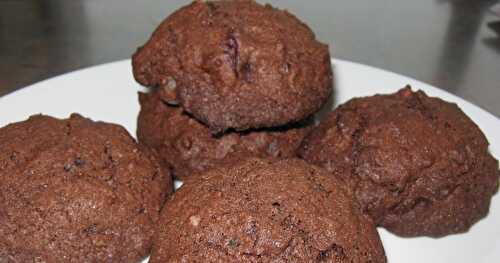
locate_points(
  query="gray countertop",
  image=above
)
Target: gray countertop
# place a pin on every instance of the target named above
(445, 43)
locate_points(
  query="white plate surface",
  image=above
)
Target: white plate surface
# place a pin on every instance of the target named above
(109, 93)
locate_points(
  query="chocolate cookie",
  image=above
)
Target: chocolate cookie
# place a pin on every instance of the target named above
(187, 147)
(76, 191)
(237, 64)
(265, 211)
(417, 165)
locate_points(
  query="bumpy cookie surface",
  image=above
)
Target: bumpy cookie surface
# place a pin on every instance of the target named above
(74, 190)
(418, 165)
(237, 64)
(186, 147)
(265, 211)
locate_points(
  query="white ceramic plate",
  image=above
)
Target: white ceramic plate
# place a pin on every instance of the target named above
(109, 93)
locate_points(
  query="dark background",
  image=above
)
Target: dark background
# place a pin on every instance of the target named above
(442, 42)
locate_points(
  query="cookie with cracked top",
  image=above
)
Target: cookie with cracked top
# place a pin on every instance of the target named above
(237, 64)
(75, 190)
(187, 148)
(262, 210)
(417, 164)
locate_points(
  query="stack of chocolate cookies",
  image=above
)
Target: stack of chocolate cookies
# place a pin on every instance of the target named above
(229, 80)
(233, 87)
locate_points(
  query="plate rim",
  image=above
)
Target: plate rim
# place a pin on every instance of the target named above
(456, 98)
